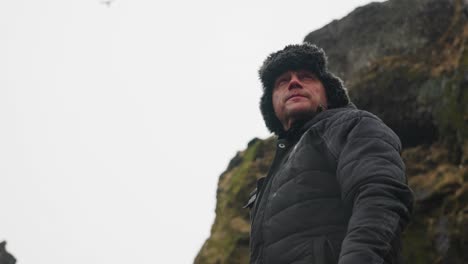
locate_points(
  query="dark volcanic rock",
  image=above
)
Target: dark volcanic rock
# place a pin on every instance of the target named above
(5, 257)
(407, 62)
(395, 27)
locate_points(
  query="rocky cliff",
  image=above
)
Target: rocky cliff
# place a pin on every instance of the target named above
(407, 62)
(5, 256)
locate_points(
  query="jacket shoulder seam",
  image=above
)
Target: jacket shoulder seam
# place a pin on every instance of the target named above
(355, 116)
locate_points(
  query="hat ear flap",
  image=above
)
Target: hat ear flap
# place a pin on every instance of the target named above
(337, 94)
(268, 112)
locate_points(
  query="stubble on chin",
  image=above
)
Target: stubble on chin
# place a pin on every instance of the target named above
(295, 114)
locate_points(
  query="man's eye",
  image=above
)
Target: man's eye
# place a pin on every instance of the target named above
(306, 76)
(281, 82)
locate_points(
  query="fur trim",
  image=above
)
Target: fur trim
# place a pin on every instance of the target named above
(297, 57)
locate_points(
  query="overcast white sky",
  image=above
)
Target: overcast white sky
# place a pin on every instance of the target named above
(115, 122)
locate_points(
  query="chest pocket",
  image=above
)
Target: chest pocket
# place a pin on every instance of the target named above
(252, 198)
(253, 195)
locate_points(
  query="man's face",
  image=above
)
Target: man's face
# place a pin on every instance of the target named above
(296, 96)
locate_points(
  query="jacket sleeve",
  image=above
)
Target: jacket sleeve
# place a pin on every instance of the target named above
(373, 184)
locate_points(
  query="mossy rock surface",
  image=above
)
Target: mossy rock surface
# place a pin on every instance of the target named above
(229, 239)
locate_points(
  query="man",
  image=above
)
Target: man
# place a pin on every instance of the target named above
(336, 191)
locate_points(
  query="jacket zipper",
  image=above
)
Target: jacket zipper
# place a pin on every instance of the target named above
(281, 150)
(266, 181)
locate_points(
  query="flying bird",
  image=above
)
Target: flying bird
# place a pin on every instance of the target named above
(107, 2)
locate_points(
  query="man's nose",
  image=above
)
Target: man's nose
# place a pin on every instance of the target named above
(294, 82)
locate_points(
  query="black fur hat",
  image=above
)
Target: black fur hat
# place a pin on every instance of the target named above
(298, 57)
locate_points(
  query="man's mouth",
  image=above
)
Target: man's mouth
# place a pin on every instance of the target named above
(294, 96)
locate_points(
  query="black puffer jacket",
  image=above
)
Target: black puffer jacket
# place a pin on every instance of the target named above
(335, 193)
